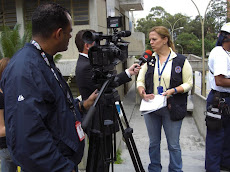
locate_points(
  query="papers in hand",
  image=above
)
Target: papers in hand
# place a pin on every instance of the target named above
(158, 102)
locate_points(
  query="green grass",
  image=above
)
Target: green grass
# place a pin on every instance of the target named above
(119, 159)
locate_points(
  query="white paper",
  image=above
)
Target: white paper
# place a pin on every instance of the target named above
(158, 102)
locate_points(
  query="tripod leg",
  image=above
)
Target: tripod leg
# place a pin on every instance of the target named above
(127, 134)
(93, 153)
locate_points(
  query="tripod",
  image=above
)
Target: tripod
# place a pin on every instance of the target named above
(108, 139)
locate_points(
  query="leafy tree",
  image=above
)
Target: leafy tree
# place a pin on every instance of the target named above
(190, 36)
(11, 42)
(157, 12)
(218, 11)
(190, 43)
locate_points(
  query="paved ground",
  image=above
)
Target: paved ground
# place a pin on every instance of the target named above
(192, 145)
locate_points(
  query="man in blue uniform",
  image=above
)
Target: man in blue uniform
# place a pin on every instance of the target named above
(218, 105)
(42, 119)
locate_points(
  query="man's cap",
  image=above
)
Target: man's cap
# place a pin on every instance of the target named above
(226, 27)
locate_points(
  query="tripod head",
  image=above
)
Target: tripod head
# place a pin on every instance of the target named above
(92, 109)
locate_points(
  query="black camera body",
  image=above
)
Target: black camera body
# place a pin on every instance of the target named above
(103, 58)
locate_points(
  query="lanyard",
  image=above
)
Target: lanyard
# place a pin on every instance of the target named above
(160, 73)
(66, 92)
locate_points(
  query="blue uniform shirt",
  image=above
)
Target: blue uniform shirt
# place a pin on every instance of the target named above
(40, 126)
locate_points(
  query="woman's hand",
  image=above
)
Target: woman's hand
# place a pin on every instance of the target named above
(145, 96)
(169, 92)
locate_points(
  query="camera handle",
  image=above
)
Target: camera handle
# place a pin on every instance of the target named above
(92, 109)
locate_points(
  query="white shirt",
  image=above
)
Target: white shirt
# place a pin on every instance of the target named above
(219, 64)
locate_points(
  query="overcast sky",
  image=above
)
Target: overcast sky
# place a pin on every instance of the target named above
(185, 7)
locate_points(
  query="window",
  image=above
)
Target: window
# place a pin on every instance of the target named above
(79, 9)
(8, 13)
(80, 12)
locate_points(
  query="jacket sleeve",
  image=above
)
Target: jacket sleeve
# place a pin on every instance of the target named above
(83, 76)
(29, 103)
(122, 78)
(187, 76)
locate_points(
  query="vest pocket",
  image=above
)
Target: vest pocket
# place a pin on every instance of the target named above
(177, 111)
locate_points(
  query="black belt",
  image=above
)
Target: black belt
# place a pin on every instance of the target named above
(222, 94)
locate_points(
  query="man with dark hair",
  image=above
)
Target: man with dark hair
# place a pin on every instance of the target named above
(43, 121)
(86, 86)
(84, 71)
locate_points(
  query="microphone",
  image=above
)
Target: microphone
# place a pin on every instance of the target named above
(145, 56)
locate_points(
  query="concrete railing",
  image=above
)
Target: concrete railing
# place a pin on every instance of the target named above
(199, 104)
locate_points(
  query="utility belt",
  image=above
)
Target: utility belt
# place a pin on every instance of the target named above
(221, 94)
(217, 110)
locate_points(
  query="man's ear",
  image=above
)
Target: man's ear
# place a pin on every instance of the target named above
(87, 46)
(58, 33)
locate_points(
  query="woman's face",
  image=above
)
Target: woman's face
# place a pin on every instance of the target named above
(156, 41)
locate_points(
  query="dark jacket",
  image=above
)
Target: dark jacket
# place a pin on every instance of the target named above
(84, 75)
(40, 126)
(86, 86)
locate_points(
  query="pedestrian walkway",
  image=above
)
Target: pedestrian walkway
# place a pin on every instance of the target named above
(192, 144)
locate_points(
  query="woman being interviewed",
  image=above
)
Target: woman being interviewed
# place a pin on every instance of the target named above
(169, 74)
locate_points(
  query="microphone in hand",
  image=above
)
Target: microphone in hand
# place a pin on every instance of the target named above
(145, 56)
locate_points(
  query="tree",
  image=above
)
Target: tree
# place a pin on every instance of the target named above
(11, 42)
(218, 11)
(190, 43)
(190, 36)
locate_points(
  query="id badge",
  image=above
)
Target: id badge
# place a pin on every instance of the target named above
(160, 89)
(79, 130)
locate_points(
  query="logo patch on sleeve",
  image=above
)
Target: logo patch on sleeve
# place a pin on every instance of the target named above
(20, 98)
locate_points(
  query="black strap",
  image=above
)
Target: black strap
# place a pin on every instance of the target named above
(58, 76)
(222, 94)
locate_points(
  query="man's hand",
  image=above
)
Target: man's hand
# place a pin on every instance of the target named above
(89, 102)
(134, 69)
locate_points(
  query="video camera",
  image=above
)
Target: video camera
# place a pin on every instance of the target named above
(103, 58)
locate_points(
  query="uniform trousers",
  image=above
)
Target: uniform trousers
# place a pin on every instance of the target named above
(218, 143)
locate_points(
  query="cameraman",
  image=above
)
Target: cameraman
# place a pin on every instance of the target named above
(86, 85)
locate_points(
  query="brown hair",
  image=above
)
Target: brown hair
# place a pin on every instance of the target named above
(3, 63)
(79, 41)
(163, 32)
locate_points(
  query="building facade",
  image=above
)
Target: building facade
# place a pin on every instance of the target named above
(86, 14)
